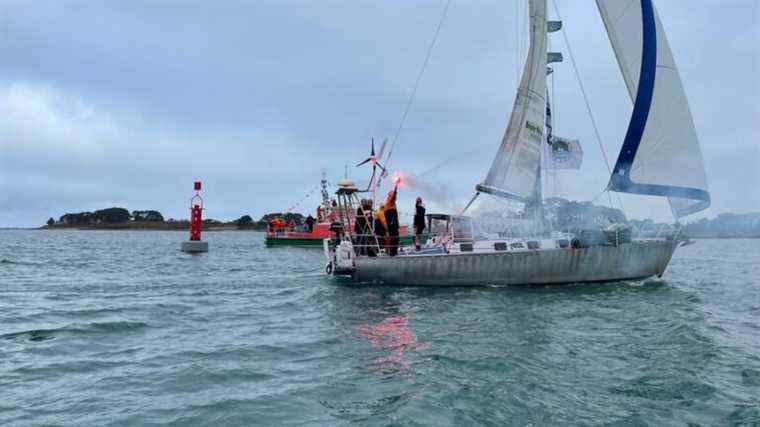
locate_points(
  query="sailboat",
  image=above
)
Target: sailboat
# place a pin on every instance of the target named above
(660, 156)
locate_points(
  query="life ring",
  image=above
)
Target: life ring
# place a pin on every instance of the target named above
(329, 268)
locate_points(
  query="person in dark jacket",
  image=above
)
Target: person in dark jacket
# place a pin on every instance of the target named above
(392, 224)
(310, 223)
(361, 232)
(419, 223)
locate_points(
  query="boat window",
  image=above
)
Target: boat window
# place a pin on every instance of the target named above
(462, 229)
(439, 226)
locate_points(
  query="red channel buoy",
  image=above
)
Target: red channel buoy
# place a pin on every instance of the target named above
(195, 244)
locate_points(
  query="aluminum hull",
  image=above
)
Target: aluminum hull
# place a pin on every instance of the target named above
(636, 260)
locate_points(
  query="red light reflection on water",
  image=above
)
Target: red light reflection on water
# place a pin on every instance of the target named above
(393, 335)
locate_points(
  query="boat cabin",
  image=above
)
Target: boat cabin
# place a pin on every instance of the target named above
(347, 201)
(450, 229)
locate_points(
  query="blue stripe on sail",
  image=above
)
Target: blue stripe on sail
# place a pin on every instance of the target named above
(643, 102)
(621, 175)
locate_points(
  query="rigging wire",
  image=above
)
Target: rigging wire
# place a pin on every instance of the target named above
(457, 157)
(588, 105)
(417, 83)
(517, 43)
(549, 156)
(557, 189)
(298, 203)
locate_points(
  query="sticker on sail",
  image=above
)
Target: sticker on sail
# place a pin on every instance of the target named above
(534, 131)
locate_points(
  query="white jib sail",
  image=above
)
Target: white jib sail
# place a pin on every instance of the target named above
(660, 154)
(516, 167)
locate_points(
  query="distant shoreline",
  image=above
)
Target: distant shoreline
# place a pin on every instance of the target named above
(119, 218)
(183, 227)
(148, 226)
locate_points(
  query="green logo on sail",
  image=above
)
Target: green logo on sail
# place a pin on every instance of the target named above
(534, 131)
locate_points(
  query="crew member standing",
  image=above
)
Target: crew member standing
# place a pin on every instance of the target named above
(362, 230)
(310, 223)
(379, 226)
(419, 223)
(391, 221)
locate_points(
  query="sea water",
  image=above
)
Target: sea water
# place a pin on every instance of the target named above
(121, 328)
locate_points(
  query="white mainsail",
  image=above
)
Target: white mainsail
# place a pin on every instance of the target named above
(515, 170)
(660, 154)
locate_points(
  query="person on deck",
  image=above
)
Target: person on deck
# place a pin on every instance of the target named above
(391, 223)
(370, 240)
(361, 232)
(419, 223)
(334, 211)
(292, 225)
(379, 226)
(310, 223)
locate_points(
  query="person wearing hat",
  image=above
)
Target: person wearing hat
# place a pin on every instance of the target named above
(419, 223)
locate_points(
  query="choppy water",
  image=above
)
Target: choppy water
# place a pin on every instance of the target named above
(121, 328)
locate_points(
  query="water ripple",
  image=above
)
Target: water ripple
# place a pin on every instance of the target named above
(121, 328)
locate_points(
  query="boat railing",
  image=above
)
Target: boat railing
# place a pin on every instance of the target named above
(365, 244)
(657, 231)
(282, 231)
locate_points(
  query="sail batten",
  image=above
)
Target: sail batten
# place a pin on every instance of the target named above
(660, 155)
(516, 167)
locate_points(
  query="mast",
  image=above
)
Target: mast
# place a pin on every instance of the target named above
(539, 199)
(325, 193)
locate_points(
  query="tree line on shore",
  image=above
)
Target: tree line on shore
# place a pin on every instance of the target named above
(726, 225)
(560, 212)
(565, 214)
(121, 217)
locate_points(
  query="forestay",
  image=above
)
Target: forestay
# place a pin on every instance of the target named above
(660, 154)
(515, 170)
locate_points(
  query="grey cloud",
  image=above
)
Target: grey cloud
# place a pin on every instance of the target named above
(258, 97)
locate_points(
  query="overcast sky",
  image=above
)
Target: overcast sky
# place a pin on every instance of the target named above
(112, 103)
